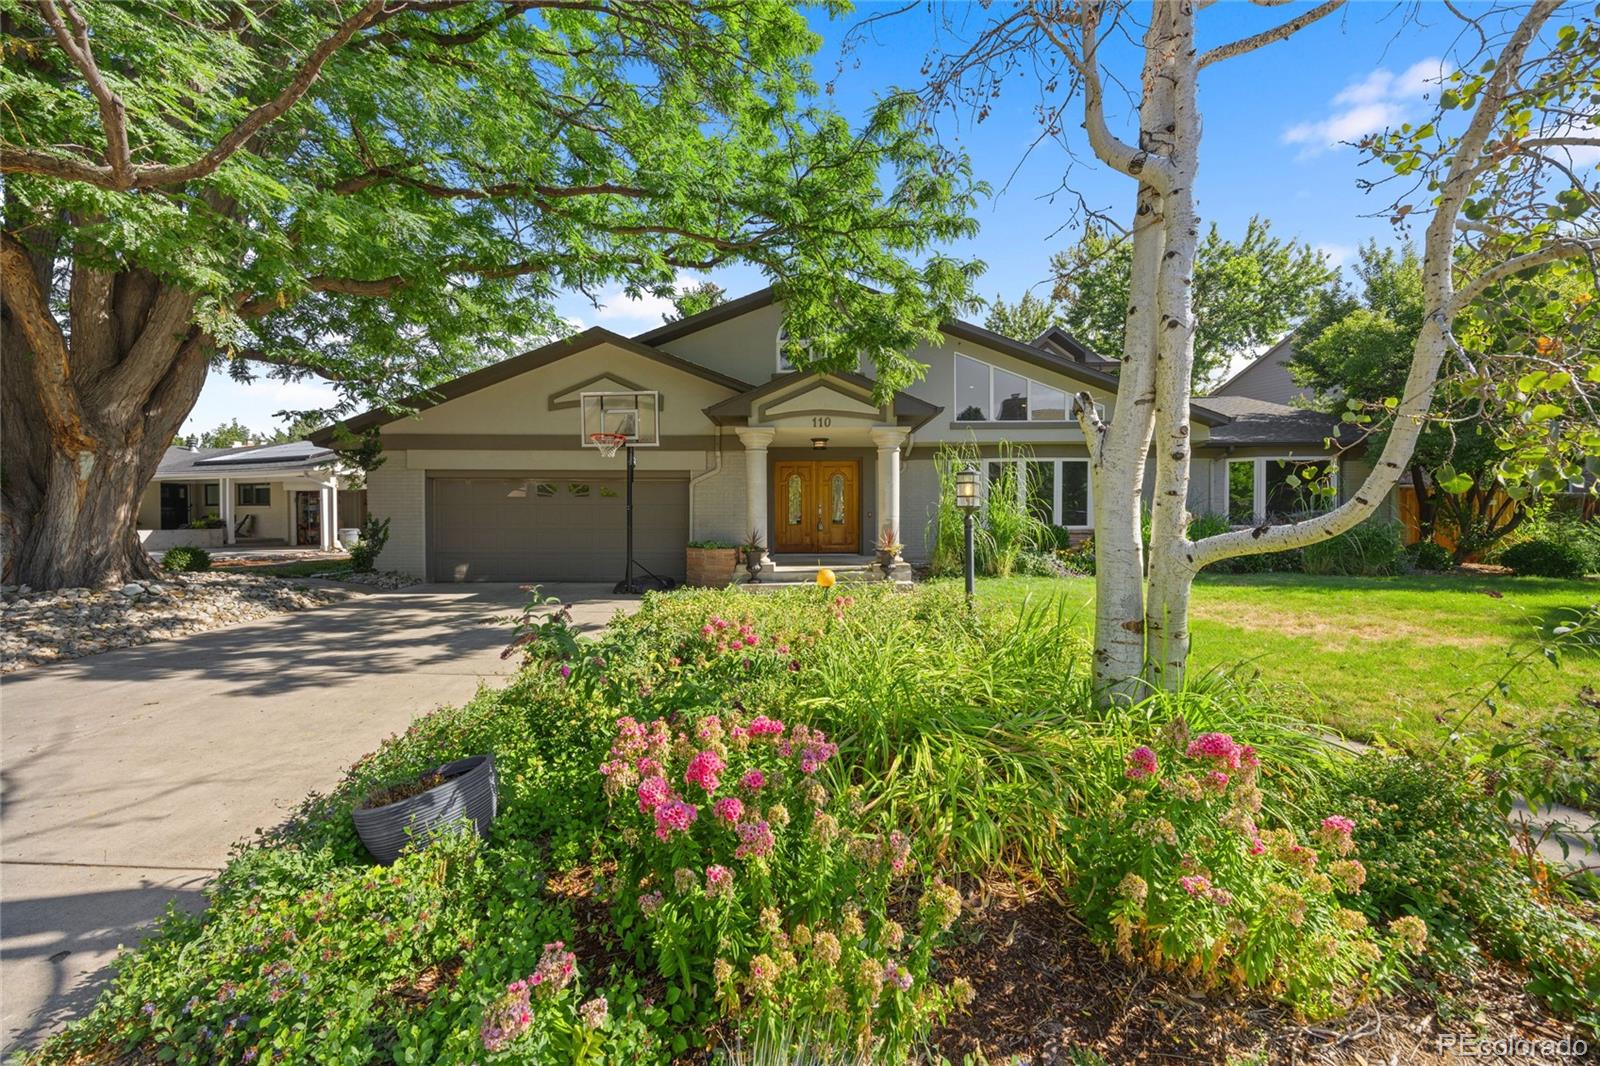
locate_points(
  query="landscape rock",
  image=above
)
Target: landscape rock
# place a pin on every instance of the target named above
(47, 627)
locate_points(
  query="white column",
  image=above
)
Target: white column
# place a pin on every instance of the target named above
(324, 517)
(889, 441)
(333, 510)
(225, 498)
(755, 441)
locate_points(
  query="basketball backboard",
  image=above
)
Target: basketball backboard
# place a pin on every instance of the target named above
(635, 415)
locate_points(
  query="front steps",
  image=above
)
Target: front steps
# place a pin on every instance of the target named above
(789, 571)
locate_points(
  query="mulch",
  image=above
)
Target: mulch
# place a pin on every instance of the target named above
(1044, 990)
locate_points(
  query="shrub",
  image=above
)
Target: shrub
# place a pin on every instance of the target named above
(364, 552)
(185, 558)
(1429, 555)
(757, 894)
(1436, 847)
(1202, 526)
(1546, 557)
(1370, 549)
(713, 544)
(1042, 564)
(1177, 871)
(1080, 559)
(1011, 527)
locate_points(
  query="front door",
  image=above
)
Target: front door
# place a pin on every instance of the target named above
(174, 506)
(817, 506)
(307, 518)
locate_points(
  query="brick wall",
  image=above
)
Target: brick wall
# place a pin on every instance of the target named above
(398, 493)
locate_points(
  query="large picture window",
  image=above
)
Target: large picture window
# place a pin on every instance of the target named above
(1055, 491)
(986, 393)
(1275, 489)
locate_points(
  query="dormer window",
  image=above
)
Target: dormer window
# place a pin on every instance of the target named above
(784, 366)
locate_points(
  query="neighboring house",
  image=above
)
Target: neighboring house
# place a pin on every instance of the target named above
(488, 478)
(1267, 377)
(272, 494)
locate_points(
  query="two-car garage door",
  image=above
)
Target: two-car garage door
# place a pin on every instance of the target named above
(553, 527)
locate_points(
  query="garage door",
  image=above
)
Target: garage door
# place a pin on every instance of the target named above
(553, 529)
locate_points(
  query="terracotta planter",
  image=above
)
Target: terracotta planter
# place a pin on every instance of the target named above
(711, 568)
(467, 795)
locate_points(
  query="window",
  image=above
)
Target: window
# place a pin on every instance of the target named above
(577, 488)
(1276, 489)
(1055, 491)
(794, 497)
(987, 393)
(213, 495)
(545, 489)
(972, 390)
(255, 496)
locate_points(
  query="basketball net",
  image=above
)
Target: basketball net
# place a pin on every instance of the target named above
(608, 443)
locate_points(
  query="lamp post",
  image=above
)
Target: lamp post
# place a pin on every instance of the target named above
(967, 500)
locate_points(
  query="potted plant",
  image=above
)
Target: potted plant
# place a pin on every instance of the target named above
(752, 549)
(710, 563)
(389, 818)
(888, 551)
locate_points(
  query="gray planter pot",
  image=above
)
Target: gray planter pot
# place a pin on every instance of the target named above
(469, 793)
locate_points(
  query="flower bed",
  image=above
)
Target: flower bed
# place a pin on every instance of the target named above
(736, 821)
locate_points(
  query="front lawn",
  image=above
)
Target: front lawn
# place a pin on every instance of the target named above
(863, 826)
(1372, 656)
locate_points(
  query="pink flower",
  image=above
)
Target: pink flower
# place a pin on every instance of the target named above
(703, 770)
(1257, 847)
(1248, 757)
(706, 630)
(1338, 825)
(762, 726)
(1217, 781)
(653, 792)
(752, 640)
(719, 881)
(898, 976)
(729, 808)
(1218, 746)
(753, 781)
(1195, 884)
(674, 816)
(649, 903)
(756, 840)
(1141, 763)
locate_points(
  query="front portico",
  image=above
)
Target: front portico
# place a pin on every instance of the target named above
(822, 461)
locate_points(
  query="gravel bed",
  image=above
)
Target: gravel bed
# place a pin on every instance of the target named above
(47, 627)
(378, 579)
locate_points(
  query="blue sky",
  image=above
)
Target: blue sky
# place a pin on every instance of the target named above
(1272, 122)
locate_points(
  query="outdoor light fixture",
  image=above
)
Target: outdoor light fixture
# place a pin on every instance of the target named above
(967, 489)
(819, 443)
(967, 500)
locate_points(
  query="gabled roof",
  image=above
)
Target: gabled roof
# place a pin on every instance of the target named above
(1267, 356)
(907, 408)
(495, 373)
(1257, 421)
(723, 312)
(1055, 339)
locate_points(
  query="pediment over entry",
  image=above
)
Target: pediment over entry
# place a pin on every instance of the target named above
(821, 396)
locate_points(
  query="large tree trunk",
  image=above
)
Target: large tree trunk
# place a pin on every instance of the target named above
(88, 412)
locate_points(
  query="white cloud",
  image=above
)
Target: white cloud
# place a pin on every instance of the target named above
(1337, 255)
(1382, 99)
(625, 314)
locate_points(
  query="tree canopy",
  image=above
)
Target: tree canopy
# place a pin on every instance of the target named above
(1246, 293)
(386, 193)
(1024, 320)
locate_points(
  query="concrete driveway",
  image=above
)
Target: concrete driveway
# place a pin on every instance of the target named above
(126, 776)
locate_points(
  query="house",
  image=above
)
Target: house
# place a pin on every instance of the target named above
(488, 477)
(273, 494)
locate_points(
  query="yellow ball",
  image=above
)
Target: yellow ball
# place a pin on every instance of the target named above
(825, 578)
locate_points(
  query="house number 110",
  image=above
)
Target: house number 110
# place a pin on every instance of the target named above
(821, 421)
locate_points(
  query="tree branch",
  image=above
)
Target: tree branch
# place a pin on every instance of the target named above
(1272, 36)
(121, 175)
(52, 368)
(1112, 150)
(1558, 248)
(113, 114)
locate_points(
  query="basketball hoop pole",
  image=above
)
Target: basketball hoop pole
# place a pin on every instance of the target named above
(627, 583)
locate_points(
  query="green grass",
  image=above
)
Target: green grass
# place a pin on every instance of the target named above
(1371, 656)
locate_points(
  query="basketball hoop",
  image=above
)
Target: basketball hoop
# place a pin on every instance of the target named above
(608, 443)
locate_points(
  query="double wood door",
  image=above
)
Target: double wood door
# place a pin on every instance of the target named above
(817, 506)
